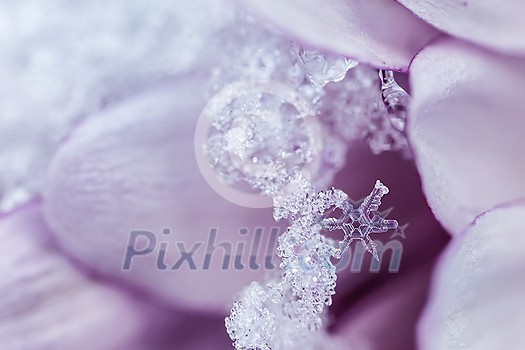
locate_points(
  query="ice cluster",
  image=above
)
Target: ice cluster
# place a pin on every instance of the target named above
(355, 109)
(284, 106)
(282, 117)
(295, 301)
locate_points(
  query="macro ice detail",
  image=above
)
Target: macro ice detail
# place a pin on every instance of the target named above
(259, 132)
(258, 136)
(359, 223)
(321, 69)
(395, 99)
(252, 325)
(278, 114)
(354, 109)
(296, 300)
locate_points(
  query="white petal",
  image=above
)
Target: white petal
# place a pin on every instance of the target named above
(478, 297)
(495, 24)
(466, 128)
(47, 304)
(379, 32)
(132, 167)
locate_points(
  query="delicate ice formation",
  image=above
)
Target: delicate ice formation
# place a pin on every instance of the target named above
(322, 69)
(358, 224)
(296, 301)
(252, 325)
(279, 113)
(260, 134)
(60, 67)
(257, 321)
(396, 100)
(353, 109)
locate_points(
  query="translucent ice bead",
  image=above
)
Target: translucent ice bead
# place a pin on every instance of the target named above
(322, 69)
(396, 100)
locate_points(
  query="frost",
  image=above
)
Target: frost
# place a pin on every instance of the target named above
(268, 92)
(283, 127)
(251, 325)
(264, 90)
(281, 120)
(322, 69)
(354, 109)
(308, 278)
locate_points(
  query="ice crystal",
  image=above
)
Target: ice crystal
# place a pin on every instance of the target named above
(322, 69)
(259, 134)
(396, 100)
(259, 137)
(353, 109)
(259, 322)
(358, 223)
(251, 325)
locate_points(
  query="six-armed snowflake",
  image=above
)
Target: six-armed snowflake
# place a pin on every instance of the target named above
(359, 223)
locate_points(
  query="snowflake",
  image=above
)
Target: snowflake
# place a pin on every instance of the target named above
(358, 223)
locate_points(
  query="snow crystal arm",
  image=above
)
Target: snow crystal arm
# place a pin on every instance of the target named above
(373, 201)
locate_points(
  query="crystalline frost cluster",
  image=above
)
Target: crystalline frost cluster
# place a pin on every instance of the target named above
(261, 137)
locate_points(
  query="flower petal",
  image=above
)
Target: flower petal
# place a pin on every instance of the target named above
(47, 304)
(385, 318)
(466, 128)
(132, 167)
(498, 25)
(477, 300)
(379, 32)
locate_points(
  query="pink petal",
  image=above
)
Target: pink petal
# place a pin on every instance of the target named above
(466, 128)
(497, 25)
(47, 304)
(379, 32)
(385, 318)
(199, 332)
(132, 167)
(478, 295)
